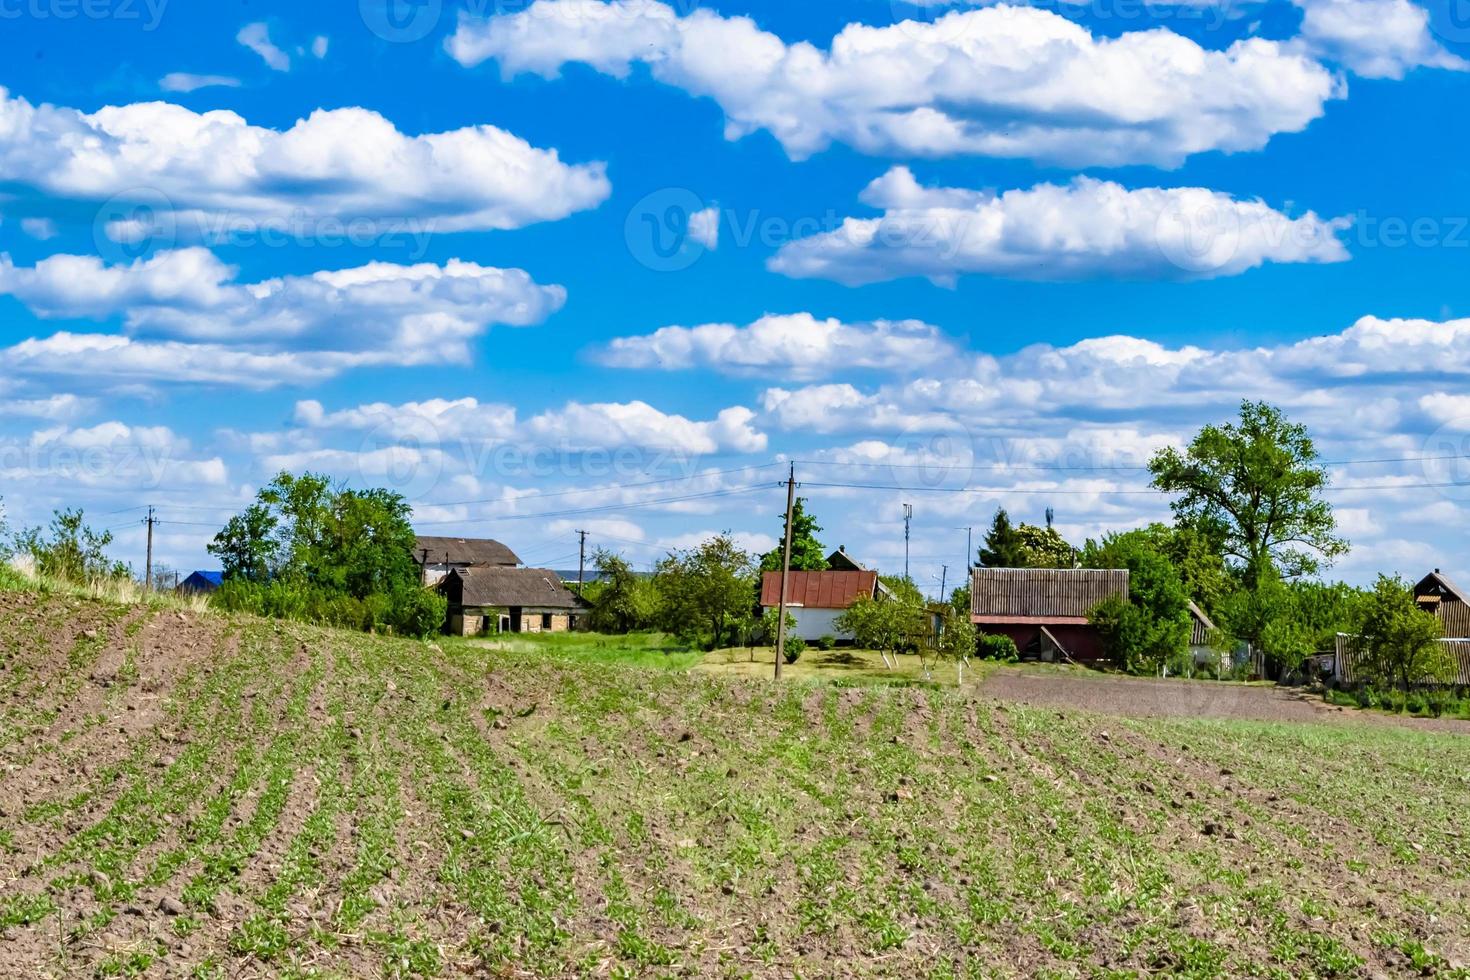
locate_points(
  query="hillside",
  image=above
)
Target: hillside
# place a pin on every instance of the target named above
(183, 794)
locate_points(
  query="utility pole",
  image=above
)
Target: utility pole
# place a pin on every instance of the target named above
(969, 546)
(908, 517)
(150, 520)
(943, 581)
(785, 571)
(582, 563)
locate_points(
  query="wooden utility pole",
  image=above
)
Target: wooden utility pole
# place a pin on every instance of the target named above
(943, 581)
(150, 520)
(785, 571)
(581, 563)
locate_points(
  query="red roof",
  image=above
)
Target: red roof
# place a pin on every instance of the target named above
(818, 590)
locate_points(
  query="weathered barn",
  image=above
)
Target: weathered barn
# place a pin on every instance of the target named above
(440, 556)
(1345, 666)
(1437, 594)
(1044, 610)
(816, 599)
(508, 600)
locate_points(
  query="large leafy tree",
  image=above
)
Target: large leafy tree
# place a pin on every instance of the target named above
(1153, 626)
(248, 546)
(702, 589)
(1044, 547)
(1255, 487)
(621, 601)
(1399, 642)
(807, 553)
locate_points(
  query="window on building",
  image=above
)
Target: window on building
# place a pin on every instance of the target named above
(546, 621)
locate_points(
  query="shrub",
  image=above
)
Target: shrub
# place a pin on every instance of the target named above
(795, 646)
(825, 642)
(990, 646)
(419, 613)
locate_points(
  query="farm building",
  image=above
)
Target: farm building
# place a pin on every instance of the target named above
(1203, 634)
(1435, 594)
(1438, 595)
(508, 600)
(816, 599)
(201, 583)
(1044, 610)
(440, 556)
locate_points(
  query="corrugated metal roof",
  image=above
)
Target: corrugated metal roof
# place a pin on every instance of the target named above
(1348, 658)
(464, 551)
(818, 590)
(537, 588)
(1049, 594)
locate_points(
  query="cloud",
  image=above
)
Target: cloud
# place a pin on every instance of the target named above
(319, 46)
(338, 166)
(1005, 81)
(576, 427)
(109, 454)
(209, 324)
(1373, 38)
(704, 227)
(180, 81)
(797, 346)
(41, 229)
(54, 407)
(1086, 229)
(257, 37)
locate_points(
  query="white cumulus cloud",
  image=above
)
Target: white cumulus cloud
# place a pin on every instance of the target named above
(1005, 81)
(797, 345)
(257, 37)
(339, 165)
(1373, 38)
(1081, 230)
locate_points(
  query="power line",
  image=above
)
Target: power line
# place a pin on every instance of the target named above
(604, 509)
(1100, 467)
(620, 486)
(1150, 491)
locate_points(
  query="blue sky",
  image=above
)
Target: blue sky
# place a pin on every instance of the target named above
(657, 250)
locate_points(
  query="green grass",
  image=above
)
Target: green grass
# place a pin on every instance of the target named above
(323, 803)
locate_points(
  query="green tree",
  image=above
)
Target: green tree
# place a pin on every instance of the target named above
(620, 601)
(72, 550)
(1153, 625)
(1255, 487)
(700, 589)
(1003, 546)
(309, 549)
(957, 641)
(1198, 561)
(1399, 642)
(887, 624)
(960, 600)
(807, 553)
(248, 546)
(1044, 547)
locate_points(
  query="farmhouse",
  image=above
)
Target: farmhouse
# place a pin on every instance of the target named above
(1044, 610)
(508, 600)
(437, 557)
(816, 599)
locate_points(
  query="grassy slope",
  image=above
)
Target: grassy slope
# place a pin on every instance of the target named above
(347, 805)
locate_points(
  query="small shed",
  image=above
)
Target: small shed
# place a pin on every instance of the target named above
(816, 599)
(508, 600)
(201, 583)
(1045, 610)
(438, 556)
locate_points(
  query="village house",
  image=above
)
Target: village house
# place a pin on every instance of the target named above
(437, 557)
(815, 599)
(201, 583)
(488, 599)
(1044, 610)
